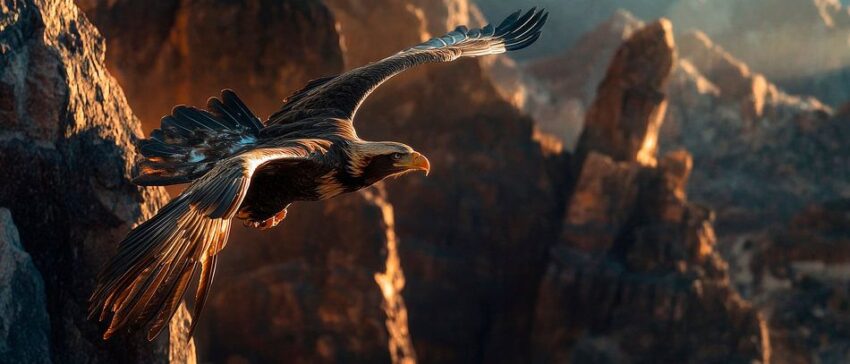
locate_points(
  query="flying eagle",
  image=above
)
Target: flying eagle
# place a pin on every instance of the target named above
(251, 170)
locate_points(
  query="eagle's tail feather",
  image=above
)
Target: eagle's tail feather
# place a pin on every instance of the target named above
(145, 282)
(190, 141)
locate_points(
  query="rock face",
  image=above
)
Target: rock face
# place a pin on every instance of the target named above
(66, 152)
(630, 102)
(760, 154)
(311, 296)
(566, 84)
(24, 325)
(465, 267)
(635, 276)
(182, 52)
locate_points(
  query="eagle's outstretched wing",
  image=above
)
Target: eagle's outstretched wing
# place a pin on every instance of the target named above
(340, 96)
(144, 282)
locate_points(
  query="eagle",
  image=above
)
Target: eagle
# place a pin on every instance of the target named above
(239, 167)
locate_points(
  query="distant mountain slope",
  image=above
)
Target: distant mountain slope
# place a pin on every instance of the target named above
(801, 45)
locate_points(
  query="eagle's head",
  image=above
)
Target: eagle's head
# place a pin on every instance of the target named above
(374, 161)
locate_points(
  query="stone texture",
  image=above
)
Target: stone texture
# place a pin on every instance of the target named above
(759, 153)
(66, 152)
(635, 276)
(630, 104)
(24, 325)
(182, 52)
(566, 83)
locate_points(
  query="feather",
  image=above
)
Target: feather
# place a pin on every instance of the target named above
(191, 140)
(143, 284)
(203, 291)
(346, 92)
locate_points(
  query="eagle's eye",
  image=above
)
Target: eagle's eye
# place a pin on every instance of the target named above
(396, 156)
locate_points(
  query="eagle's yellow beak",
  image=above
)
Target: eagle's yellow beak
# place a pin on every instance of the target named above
(415, 160)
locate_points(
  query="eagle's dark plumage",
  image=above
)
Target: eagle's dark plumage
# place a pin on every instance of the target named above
(240, 167)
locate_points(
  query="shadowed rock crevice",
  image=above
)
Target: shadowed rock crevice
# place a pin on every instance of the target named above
(24, 324)
(391, 281)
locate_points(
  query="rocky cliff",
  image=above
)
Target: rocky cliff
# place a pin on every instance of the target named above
(307, 291)
(635, 276)
(66, 152)
(566, 84)
(180, 52)
(760, 157)
(760, 154)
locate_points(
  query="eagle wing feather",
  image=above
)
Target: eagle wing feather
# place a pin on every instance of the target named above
(144, 282)
(344, 93)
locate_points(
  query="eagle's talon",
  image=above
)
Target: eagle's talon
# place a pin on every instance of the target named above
(268, 223)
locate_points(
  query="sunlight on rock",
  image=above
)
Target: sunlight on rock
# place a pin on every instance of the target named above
(391, 282)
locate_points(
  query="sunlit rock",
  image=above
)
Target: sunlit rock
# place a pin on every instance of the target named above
(624, 120)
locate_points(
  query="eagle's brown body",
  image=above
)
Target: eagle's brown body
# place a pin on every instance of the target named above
(242, 168)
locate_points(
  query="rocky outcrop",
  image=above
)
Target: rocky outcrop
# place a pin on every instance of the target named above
(66, 154)
(566, 84)
(750, 140)
(182, 52)
(760, 155)
(635, 276)
(630, 104)
(24, 325)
